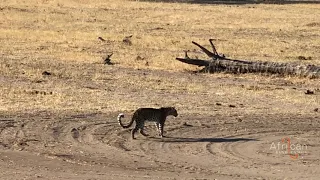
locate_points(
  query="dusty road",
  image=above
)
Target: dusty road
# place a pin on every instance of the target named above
(218, 134)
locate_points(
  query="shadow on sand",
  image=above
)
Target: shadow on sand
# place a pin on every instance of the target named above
(195, 140)
(239, 2)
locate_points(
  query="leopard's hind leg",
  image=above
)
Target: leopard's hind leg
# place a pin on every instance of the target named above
(141, 127)
(143, 133)
(133, 131)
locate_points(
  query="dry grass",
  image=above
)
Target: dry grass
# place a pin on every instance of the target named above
(68, 31)
(62, 37)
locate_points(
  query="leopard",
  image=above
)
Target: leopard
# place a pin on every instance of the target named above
(141, 115)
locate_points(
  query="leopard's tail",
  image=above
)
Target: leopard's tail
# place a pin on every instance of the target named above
(121, 115)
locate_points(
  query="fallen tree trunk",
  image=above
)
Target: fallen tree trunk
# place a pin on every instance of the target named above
(219, 63)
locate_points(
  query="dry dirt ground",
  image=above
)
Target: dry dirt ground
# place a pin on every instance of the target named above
(59, 102)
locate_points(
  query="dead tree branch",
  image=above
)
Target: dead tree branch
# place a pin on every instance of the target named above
(219, 63)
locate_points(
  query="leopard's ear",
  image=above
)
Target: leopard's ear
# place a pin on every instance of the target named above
(169, 108)
(172, 109)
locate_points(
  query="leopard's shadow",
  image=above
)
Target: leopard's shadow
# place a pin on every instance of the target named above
(195, 140)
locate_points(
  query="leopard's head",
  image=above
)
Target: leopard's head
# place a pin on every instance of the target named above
(171, 111)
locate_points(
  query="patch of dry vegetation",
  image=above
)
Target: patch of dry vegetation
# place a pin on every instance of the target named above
(68, 31)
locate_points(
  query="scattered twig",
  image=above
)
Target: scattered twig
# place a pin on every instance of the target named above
(309, 92)
(107, 60)
(127, 40)
(101, 39)
(46, 73)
